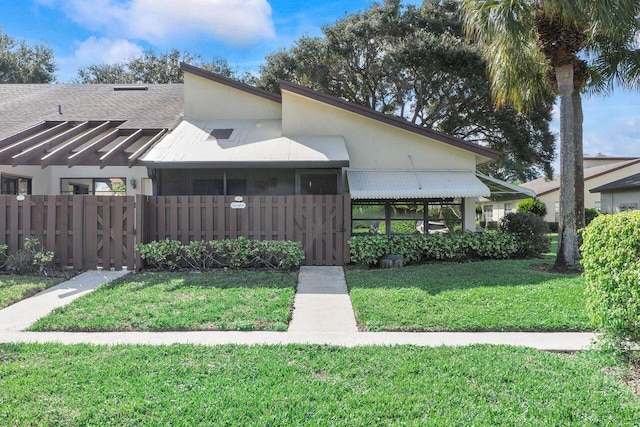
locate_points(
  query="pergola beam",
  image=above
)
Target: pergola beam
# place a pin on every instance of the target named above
(7, 152)
(121, 146)
(61, 152)
(133, 159)
(92, 148)
(25, 133)
(41, 148)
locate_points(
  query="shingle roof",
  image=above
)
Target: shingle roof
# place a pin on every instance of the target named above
(24, 105)
(627, 183)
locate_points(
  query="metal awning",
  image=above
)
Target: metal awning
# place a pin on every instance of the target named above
(502, 190)
(244, 144)
(414, 184)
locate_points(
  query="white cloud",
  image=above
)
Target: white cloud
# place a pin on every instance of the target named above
(103, 50)
(161, 21)
(96, 51)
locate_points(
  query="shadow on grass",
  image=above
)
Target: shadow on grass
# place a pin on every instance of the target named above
(437, 277)
(218, 279)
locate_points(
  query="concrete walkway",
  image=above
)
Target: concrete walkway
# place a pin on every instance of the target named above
(322, 315)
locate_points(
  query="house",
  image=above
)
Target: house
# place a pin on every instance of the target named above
(215, 136)
(235, 139)
(621, 195)
(598, 171)
(81, 139)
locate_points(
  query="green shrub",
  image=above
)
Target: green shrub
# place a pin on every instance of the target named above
(162, 255)
(233, 253)
(589, 215)
(553, 227)
(3, 255)
(611, 261)
(533, 206)
(31, 259)
(530, 230)
(367, 250)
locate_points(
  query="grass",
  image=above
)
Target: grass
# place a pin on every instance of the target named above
(153, 301)
(510, 295)
(51, 384)
(15, 288)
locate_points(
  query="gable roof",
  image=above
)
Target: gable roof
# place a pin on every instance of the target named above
(628, 183)
(84, 124)
(542, 186)
(398, 122)
(230, 82)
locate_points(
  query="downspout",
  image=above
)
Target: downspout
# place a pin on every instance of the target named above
(415, 173)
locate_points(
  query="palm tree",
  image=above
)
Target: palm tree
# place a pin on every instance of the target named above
(536, 46)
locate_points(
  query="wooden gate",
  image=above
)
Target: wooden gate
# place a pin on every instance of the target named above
(85, 232)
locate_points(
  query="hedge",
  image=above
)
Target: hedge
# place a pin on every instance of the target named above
(611, 261)
(230, 253)
(366, 250)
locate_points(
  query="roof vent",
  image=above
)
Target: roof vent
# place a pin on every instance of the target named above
(221, 133)
(119, 88)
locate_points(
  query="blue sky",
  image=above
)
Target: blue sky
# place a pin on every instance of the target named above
(84, 32)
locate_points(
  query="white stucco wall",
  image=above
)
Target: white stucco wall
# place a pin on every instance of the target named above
(613, 202)
(370, 143)
(205, 99)
(47, 180)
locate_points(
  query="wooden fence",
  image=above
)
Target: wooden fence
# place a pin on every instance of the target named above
(87, 232)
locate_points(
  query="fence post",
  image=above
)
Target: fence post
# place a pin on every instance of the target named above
(141, 237)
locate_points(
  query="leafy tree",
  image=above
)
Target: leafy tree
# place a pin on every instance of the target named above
(152, 68)
(534, 46)
(414, 62)
(22, 63)
(533, 206)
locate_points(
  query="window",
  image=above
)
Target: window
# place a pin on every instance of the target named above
(15, 185)
(208, 187)
(627, 207)
(94, 186)
(487, 212)
(215, 187)
(556, 211)
(317, 182)
(508, 208)
(598, 206)
(221, 133)
(405, 217)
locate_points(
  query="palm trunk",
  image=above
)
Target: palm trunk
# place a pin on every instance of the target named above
(577, 137)
(567, 256)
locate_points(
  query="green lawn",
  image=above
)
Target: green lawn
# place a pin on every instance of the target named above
(14, 288)
(216, 300)
(308, 385)
(511, 295)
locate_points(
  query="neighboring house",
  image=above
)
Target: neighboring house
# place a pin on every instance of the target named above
(621, 195)
(236, 139)
(80, 138)
(598, 171)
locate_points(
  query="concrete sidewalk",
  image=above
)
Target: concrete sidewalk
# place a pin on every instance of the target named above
(322, 315)
(23, 314)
